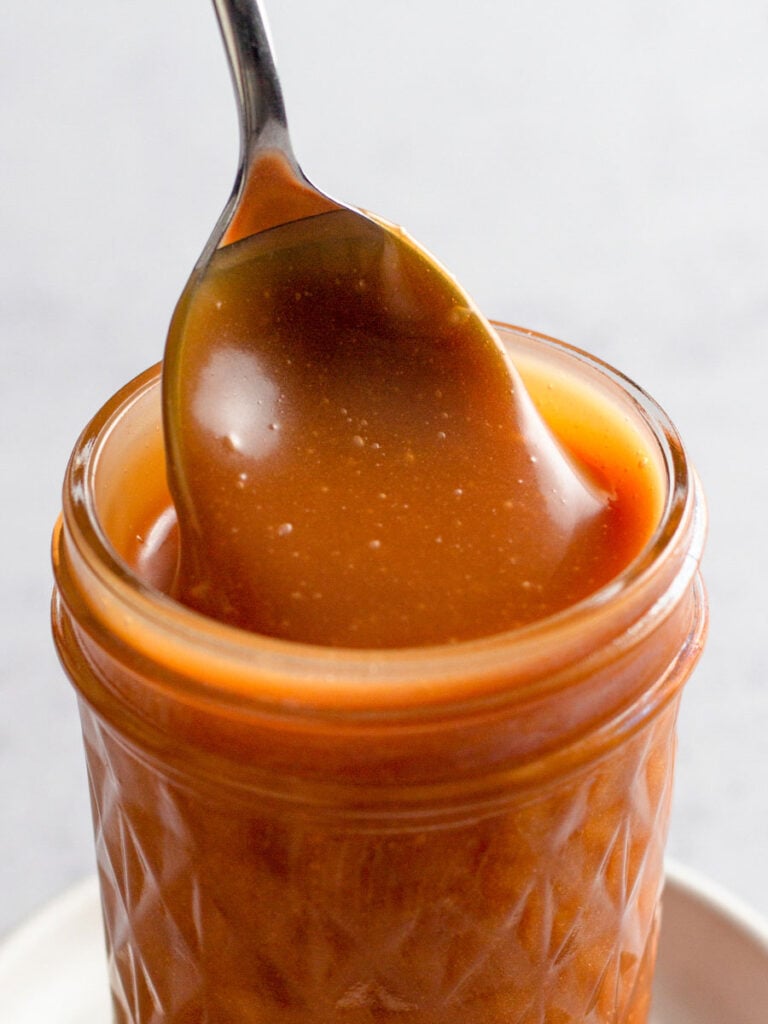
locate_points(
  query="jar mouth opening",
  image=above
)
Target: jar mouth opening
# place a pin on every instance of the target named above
(227, 658)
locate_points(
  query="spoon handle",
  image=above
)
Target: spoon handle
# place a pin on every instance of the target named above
(270, 188)
(263, 124)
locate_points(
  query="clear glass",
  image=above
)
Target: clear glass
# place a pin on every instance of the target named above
(459, 834)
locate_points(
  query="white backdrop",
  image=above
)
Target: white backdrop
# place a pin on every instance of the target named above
(597, 171)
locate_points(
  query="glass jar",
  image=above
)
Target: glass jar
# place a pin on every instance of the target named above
(459, 834)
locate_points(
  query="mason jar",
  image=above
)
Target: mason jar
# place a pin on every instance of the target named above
(470, 833)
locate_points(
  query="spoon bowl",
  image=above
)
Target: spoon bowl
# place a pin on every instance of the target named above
(348, 444)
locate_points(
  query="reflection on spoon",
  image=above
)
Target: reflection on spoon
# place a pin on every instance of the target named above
(238, 403)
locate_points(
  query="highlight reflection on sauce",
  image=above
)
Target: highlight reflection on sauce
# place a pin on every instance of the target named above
(238, 403)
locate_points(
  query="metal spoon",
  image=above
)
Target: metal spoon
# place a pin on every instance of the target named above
(345, 434)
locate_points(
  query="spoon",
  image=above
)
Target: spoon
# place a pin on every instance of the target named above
(353, 458)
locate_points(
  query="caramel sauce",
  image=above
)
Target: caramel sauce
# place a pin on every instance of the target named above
(387, 502)
(354, 462)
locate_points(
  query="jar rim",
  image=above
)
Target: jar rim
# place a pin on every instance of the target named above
(222, 662)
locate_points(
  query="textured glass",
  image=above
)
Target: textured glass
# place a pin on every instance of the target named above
(232, 909)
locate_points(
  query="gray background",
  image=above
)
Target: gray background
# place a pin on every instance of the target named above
(595, 170)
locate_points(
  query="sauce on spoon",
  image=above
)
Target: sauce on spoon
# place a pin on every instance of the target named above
(352, 457)
(361, 464)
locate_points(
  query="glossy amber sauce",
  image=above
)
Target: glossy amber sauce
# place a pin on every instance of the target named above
(356, 465)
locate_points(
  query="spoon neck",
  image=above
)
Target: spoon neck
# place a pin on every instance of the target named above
(263, 122)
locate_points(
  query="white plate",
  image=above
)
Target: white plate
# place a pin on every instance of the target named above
(713, 956)
(712, 969)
